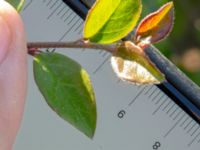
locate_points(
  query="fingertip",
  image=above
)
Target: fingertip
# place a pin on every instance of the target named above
(13, 72)
(13, 20)
(16, 39)
(5, 39)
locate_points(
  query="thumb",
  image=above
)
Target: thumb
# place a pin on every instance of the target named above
(13, 74)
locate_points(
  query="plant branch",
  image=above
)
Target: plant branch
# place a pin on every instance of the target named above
(75, 44)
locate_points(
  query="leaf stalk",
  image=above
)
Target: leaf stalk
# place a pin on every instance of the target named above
(74, 44)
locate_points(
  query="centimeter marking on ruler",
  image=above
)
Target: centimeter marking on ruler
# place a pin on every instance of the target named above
(161, 102)
(179, 117)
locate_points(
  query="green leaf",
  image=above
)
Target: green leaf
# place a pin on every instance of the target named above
(67, 89)
(109, 21)
(131, 64)
(157, 25)
(17, 4)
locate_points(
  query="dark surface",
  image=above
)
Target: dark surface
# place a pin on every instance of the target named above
(177, 78)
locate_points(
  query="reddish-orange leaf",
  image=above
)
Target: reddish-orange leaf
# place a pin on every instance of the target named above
(157, 25)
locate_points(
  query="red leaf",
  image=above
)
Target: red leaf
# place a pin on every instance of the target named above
(157, 25)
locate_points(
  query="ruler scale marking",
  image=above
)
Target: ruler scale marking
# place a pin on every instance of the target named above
(161, 97)
(53, 5)
(173, 127)
(156, 96)
(191, 127)
(140, 92)
(153, 92)
(101, 65)
(194, 139)
(147, 92)
(63, 8)
(177, 115)
(166, 105)
(195, 130)
(78, 26)
(173, 112)
(169, 110)
(53, 12)
(159, 107)
(65, 13)
(27, 5)
(186, 119)
(49, 3)
(72, 19)
(188, 124)
(68, 16)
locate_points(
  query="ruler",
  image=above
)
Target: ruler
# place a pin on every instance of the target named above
(129, 116)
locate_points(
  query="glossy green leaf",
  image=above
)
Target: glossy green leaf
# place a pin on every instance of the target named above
(157, 25)
(17, 4)
(131, 64)
(67, 89)
(109, 21)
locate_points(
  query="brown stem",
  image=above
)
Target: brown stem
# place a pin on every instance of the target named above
(76, 44)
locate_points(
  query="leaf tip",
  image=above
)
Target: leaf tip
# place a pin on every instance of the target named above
(171, 4)
(72, 98)
(156, 25)
(91, 135)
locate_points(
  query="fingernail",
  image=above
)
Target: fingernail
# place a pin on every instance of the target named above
(4, 39)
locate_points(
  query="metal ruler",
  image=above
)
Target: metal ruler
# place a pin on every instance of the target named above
(129, 117)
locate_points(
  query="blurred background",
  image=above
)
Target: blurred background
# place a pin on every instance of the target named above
(182, 46)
